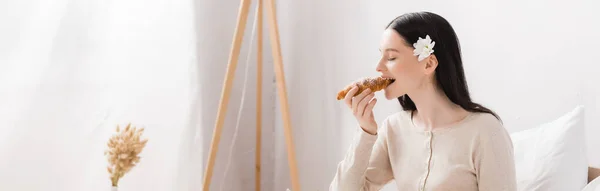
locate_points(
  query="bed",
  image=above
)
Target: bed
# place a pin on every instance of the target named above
(554, 156)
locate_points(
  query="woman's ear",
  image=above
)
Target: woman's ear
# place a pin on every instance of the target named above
(431, 64)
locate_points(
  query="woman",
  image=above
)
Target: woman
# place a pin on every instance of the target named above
(442, 140)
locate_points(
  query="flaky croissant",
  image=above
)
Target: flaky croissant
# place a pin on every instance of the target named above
(374, 83)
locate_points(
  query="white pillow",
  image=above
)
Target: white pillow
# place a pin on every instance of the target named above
(552, 157)
(594, 185)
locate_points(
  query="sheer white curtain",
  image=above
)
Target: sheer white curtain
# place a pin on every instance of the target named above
(70, 71)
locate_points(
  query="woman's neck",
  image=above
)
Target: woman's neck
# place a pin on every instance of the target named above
(434, 109)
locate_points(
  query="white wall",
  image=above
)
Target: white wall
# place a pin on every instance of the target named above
(530, 61)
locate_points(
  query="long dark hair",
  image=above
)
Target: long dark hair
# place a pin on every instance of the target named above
(449, 73)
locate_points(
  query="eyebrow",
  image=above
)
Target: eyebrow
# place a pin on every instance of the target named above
(390, 49)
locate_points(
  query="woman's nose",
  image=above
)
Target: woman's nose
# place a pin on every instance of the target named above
(379, 67)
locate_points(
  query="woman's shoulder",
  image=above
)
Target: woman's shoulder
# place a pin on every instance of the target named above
(485, 121)
(488, 127)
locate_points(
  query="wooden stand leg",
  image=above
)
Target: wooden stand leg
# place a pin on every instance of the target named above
(282, 92)
(225, 94)
(259, 26)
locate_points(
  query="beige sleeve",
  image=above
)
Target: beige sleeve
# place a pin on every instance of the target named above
(366, 165)
(495, 160)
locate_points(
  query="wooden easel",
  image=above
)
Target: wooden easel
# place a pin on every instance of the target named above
(282, 93)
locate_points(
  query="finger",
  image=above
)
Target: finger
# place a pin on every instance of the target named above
(363, 103)
(358, 98)
(349, 95)
(369, 109)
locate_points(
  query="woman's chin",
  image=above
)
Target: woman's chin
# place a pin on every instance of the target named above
(388, 94)
(391, 93)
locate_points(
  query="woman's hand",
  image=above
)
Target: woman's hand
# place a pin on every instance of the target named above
(362, 108)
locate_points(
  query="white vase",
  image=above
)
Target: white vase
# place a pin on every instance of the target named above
(114, 188)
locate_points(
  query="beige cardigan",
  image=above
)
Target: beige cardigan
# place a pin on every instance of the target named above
(476, 154)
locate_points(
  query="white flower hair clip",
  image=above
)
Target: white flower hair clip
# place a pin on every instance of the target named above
(423, 47)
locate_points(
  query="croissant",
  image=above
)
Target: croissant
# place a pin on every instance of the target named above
(374, 83)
